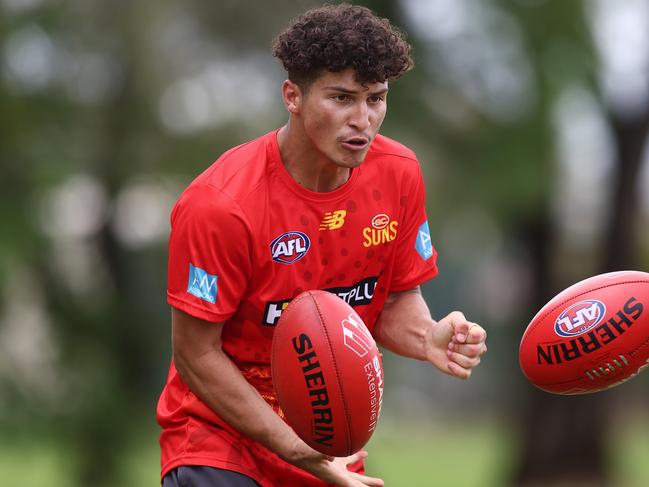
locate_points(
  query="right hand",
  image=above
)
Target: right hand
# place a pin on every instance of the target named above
(334, 469)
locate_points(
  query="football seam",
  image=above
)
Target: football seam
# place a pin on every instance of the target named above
(642, 345)
(538, 322)
(338, 376)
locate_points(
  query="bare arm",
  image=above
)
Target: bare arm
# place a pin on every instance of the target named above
(452, 344)
(213, 377)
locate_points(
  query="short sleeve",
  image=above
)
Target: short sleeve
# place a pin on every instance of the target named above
(416, 257)
(209, 254)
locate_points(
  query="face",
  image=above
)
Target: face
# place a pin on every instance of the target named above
(340, 116)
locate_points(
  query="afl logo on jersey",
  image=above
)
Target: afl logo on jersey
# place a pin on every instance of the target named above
(290, 247)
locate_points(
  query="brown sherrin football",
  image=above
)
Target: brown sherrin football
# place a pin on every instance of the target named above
(592, 336)
(327, 373)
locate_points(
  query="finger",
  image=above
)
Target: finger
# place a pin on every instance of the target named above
(476, 334)
(462, 360)
(359, 455)
(457, 371)
(468, 350)
(460, 327)
(365, 480)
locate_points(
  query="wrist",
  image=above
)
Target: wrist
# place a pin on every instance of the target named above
(286, 444)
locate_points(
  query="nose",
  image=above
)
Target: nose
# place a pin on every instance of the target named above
(360, 117)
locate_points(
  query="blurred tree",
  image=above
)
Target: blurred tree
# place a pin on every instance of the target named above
(565, 438)
(80, 117)
(499, 163)
(96, 98)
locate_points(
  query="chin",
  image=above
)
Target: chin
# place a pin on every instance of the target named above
(351, 162)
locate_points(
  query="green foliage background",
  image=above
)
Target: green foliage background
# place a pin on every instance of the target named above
(108, 109)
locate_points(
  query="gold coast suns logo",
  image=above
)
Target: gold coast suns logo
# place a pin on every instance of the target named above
(383, 230)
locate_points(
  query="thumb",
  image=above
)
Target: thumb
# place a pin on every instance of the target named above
(355, 457)
(460, 326)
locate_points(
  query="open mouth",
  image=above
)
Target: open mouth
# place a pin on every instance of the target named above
(356, 143)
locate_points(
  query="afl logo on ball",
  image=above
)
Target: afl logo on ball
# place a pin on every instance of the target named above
(289, 247)
(579, 318)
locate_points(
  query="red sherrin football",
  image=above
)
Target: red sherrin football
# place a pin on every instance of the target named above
(327, 373)
(591, 336)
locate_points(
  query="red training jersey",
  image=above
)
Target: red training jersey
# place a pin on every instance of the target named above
(245, 239)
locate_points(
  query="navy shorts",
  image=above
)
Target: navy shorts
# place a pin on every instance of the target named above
(199, 476)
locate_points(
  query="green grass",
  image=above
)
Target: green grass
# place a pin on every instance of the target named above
(459, 455)
(472, 453)
(35, 462)
(629, 452)
(142, 468)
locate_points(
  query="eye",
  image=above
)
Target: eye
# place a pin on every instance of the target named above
(342, 98)
(376, 99)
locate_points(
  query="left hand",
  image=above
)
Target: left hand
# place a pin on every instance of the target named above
(455, 345)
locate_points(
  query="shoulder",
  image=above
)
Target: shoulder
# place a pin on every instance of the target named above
(202, 213)
(393, 160)
(206, 205)
(385, 146)
(240, 170)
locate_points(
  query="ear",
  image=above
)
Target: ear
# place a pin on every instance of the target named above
(292, 96)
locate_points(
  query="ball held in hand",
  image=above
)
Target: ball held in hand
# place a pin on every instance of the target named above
(327, 373)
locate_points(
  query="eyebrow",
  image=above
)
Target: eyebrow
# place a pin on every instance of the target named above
(342, 89)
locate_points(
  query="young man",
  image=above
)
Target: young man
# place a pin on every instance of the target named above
(322, 203)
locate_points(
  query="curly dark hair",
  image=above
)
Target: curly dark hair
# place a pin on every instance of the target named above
(338, 37)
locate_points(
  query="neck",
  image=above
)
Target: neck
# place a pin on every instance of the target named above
(306, 164)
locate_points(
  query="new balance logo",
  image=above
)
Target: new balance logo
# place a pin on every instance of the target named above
(201, 284)
(356, 335)
(333, 220)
